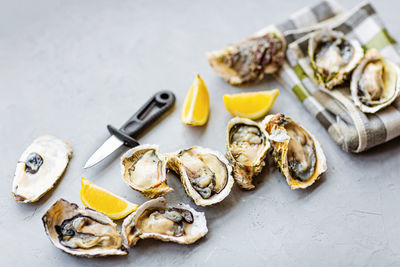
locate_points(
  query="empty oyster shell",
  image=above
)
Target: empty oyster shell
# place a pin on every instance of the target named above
(375, 83)
(82, 232)
(333, 56)
(250, 59)
(144, 170)
(297, 152)
(39, 168)
(247, 145)
(205, 174)
(156, 219)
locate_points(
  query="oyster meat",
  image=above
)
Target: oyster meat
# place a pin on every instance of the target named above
(296, 151)
(247, 145)
(156, 219)
(144, 170)
(333, 56)
(250, 59)
(39, 168)
(205, 174)
(375, 83)
(82, 232)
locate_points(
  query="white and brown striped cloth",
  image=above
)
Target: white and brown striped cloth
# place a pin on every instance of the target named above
(350, 128)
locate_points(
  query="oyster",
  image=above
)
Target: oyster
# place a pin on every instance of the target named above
(205, 174)
(144, 170)
(250, 59)
(297, 152)
(156, 219)
(247, 145)
(375, 83)
(82, 232)
(39, 168)
(333, 56)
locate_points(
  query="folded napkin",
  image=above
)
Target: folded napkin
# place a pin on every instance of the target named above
(350, 128)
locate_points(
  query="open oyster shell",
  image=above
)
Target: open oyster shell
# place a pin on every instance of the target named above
(82, 232)
(205, 174)
(144, 169)
(250, 59)
(333, 56)
(297, 152)
(156, 219)
(375, 83)
(39, 168)
(247, 145)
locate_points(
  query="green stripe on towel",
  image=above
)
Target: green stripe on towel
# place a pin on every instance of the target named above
(299, 71)
(380, 40)
(300, 92)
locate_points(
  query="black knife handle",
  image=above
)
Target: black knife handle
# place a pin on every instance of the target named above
(154, 108)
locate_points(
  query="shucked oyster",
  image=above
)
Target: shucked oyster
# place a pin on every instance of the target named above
(205, 174)
(156, 219)
(82, 232)
(144, 169)
(375, 83)
(39, 168)
(247, 145)
(333, 56)
(250, 59)
(297, 152)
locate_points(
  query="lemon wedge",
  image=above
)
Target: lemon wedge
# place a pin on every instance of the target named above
(197, 103)
(253, 105)
(102, 200)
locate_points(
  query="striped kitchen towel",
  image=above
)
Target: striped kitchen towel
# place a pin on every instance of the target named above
(350, 128)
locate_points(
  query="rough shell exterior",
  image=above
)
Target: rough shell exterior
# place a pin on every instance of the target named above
(249, 60)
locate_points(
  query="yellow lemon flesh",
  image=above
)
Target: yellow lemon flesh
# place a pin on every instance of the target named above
(100, 199)
(253, 105)
(197, 103)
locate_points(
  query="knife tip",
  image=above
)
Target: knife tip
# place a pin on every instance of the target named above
(87, 165)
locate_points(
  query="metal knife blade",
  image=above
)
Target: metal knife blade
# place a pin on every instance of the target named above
(108, 147)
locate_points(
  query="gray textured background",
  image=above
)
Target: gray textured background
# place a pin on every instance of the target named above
(70, 67)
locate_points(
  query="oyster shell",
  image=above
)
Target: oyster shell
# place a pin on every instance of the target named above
(156, 219)
(247, 145)
(205, 174)
(39, 168)
(375, 83)
(82, 232)
(297, 152)
(144, 170)
(250, 59)
(333, 56)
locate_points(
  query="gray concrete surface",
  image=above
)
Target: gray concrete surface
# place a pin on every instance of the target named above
(70, 67)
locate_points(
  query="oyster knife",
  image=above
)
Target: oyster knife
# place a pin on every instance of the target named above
(150, 112)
